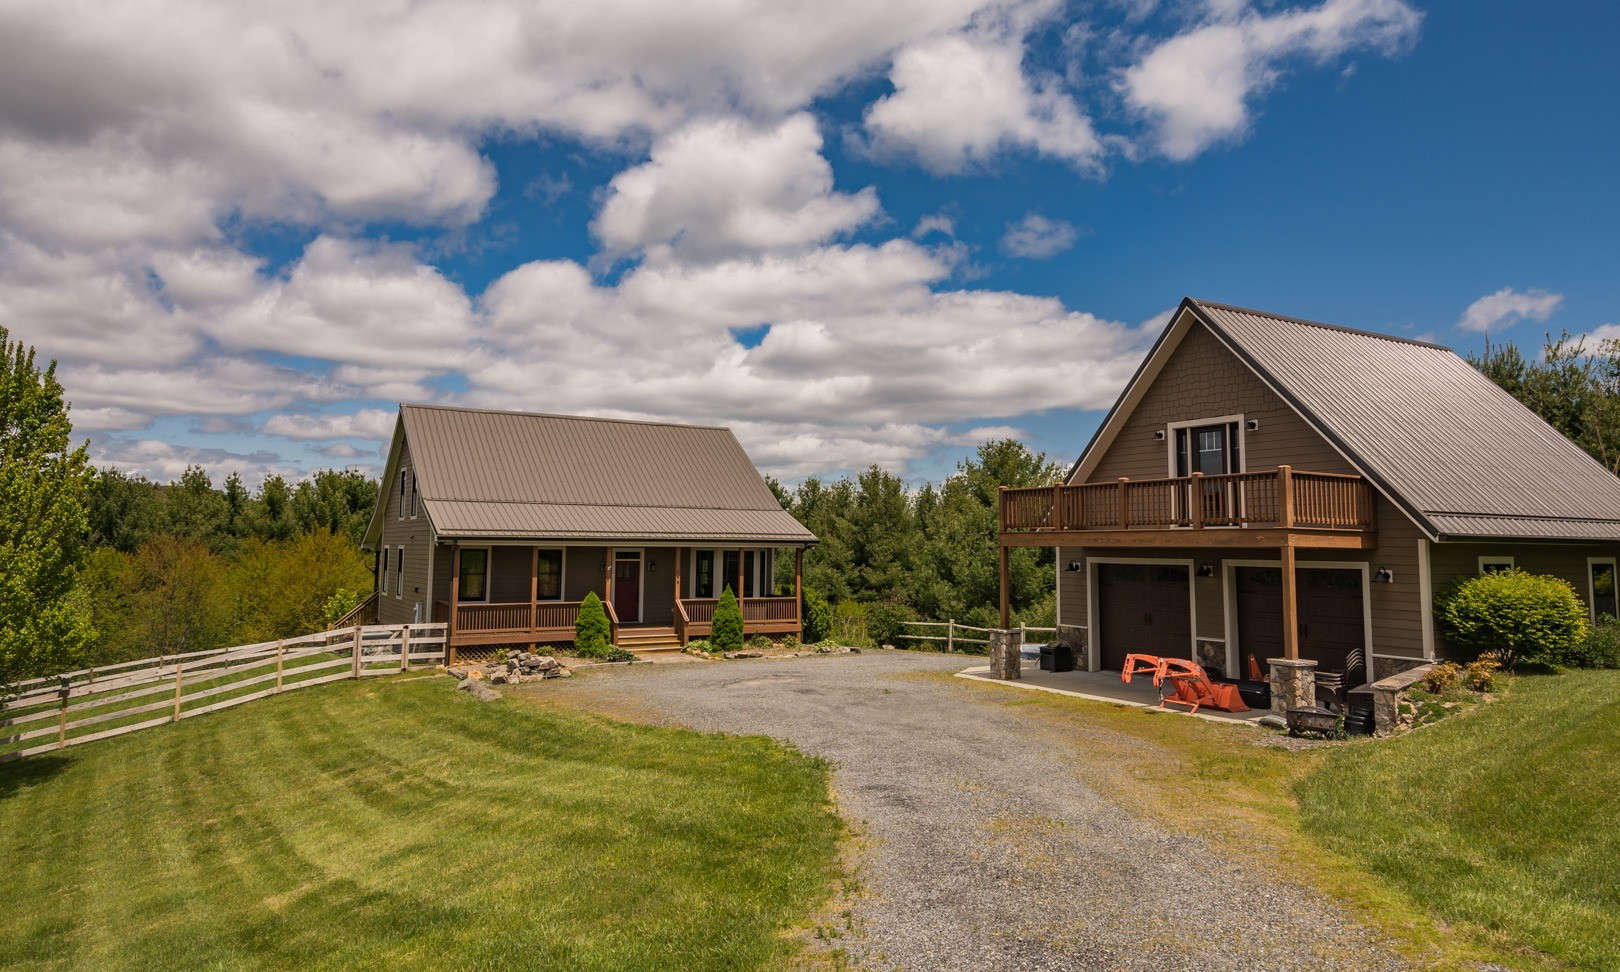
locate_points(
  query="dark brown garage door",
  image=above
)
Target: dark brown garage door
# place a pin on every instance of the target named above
(1144, 608)
(1331, 623)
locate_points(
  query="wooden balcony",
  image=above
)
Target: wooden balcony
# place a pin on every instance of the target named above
(1279, 507)
(694, 616)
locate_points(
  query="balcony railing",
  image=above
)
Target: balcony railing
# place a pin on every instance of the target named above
(1280, 498)
(760, 614)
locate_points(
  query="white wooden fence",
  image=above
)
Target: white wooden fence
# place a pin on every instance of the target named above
(952, 639)
(44, 714)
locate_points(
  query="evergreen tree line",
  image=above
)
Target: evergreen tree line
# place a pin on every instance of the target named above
(1574, 387)
(888, 554)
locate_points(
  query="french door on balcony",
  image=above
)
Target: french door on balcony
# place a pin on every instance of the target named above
(1213, 450)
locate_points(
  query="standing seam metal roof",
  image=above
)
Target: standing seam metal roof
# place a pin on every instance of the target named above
(1462, 452)
(493, 473)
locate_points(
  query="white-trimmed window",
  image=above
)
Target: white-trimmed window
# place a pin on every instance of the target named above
(382, 570)
(1495, 563)
(1601, 591)
(415, 493)
(399, 571)
(548, 580)
(712, 571)
(404, 477)
(474, 582)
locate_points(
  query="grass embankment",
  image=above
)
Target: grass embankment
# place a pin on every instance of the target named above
(1491, 836)
(1507, 819)
(393, 822)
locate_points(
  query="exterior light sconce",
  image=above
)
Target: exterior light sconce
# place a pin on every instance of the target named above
(1383, 575)
(1158, 434)
(1206, 570)
(652, 566)
(1074, 567)
(1252, 425)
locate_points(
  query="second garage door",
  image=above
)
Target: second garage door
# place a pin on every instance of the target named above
(1142, 608)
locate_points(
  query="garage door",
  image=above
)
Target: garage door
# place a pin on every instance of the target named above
(1331, 623)
(1142, 608)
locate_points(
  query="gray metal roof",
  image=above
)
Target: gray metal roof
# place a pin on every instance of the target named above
(487, 473)
(1441, 438)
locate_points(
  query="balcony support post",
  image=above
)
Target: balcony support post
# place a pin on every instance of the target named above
(1057, 506)
(1124, 504)
(1195, 497)
(1290, 605)
(1006, 612)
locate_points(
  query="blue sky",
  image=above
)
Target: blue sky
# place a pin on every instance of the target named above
(868, 234)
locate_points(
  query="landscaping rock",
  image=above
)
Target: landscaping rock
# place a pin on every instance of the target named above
(744, 654)
(1273, 722)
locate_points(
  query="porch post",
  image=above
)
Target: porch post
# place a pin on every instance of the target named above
(1006, 608)
(1290, 606)
(740, 590)
(678, 572)
(534, 591)
(798, 588)
(455, 600)
(607, 576)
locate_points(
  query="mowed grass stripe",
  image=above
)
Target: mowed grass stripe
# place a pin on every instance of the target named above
(393, 822)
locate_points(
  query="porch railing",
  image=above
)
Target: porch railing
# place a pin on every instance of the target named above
(480, 617)
(695, 615)
(1277, 498)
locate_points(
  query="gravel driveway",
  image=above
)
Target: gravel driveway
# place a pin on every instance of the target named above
(984, 849)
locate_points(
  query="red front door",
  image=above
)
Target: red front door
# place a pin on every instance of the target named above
(627, 587)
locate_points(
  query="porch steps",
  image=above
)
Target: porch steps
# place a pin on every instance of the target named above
(643, 640)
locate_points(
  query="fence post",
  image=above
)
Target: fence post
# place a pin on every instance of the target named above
(61, 720)
(280, 646)
(176, 691)
(405, 645)
(357, 651)
(1023, 633)
(950, 636)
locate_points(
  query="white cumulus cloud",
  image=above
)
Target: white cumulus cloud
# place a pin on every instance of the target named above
(1507, 307)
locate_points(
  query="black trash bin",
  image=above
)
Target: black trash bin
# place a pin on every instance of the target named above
(1057, 658)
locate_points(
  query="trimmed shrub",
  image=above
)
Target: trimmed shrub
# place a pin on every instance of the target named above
(818, 617)
(885, 621)
(700, 646)
(1442, 677)
(1600, 649)
(728, 624)
(591, 630)
(1480, 675)
(760, 641)
(790, 642)
(1516, 616)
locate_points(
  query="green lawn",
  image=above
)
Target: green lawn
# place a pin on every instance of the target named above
(395, 822)
(1507, 818)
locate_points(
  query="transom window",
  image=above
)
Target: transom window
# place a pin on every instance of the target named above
(474, 584)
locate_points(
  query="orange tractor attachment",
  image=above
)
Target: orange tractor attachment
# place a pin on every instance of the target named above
(1190, 685)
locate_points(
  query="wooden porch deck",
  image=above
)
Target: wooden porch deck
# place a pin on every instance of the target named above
(551, 622)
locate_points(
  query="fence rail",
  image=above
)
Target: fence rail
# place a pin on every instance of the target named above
(111, 700)
(952, 639)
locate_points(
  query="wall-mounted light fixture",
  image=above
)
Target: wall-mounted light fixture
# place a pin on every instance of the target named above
(1075, 567)
(652, 566)
(1383, 575)
(1158, 434)
(1206, 570)
(1253, 425)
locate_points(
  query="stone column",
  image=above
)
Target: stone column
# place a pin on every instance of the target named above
(1005, 647)
(1293, 683)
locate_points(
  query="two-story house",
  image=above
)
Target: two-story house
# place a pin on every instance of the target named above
(1268, 487)
(499, 523)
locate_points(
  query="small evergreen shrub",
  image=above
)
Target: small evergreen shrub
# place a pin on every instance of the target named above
(617, 654)
(727, 634)
(700, 646)
(818, 616)
(1516, 616)
(790, 642)
(591, 630)
(1600, 649)
(760, 641)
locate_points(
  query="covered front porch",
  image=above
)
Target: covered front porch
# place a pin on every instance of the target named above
(657, 597)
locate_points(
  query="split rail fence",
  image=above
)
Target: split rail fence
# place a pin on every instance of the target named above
(952, 639)
(45, 714)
